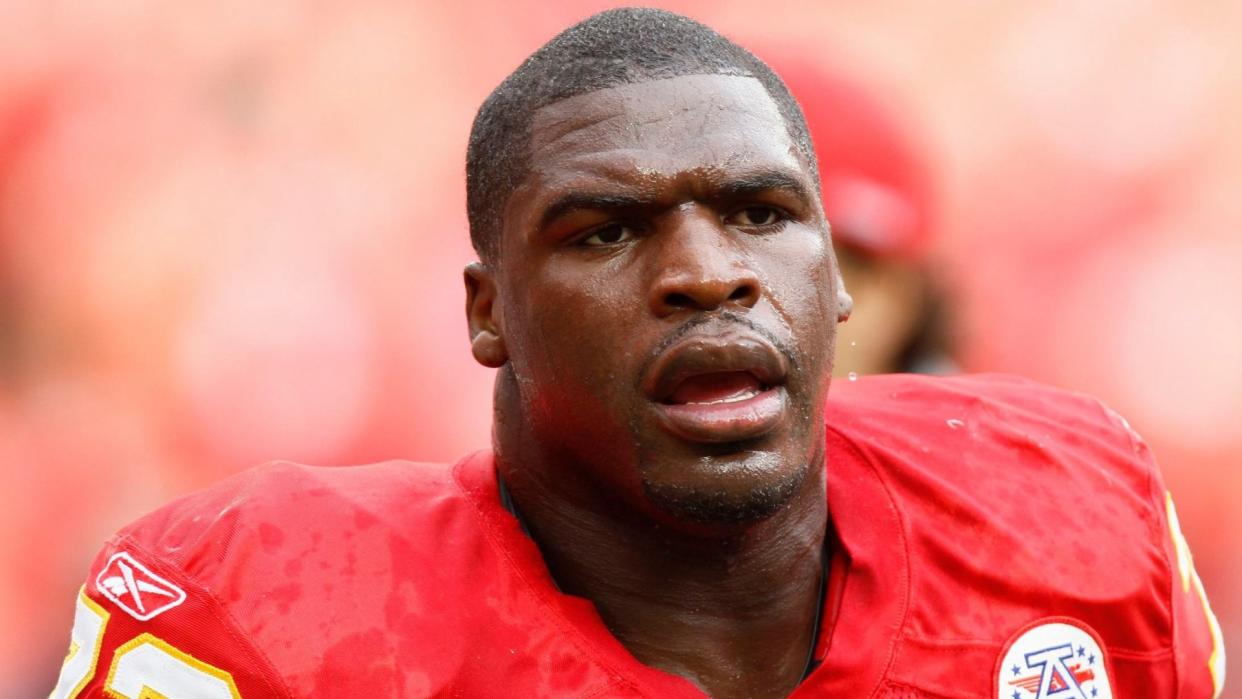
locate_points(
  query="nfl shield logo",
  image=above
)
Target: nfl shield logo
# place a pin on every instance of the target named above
(1054, 658)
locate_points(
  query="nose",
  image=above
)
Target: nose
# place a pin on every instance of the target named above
(700, 268)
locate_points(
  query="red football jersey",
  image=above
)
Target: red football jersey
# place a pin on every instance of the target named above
(995, 539)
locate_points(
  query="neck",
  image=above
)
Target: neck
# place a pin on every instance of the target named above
(731, 610)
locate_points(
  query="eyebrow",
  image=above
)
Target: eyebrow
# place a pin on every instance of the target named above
(738, 187)
(763, 181)
(582, 201)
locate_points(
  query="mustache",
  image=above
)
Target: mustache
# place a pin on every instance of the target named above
(723, 319)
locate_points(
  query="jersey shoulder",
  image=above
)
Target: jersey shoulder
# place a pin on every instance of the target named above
(996, 431)
(1020, 503)
(1043, 488)
(393, 580)
(272, 510)
(987, 407)
(257, 581)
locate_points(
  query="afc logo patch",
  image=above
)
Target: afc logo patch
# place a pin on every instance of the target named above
(1053, 658)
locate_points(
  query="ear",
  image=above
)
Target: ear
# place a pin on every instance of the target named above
(845, 302)
(487, 342)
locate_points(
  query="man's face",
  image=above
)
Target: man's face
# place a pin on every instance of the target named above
(667, 297)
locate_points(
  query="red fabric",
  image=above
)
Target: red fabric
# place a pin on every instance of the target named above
(1017, 502)
(966, 508)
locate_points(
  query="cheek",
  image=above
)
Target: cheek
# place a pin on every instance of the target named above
(575, 362)
(576, 329)
(798, 269)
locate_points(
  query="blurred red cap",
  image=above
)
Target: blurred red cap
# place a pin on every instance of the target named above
(874, 184)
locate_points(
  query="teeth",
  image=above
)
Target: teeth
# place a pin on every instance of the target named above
(736, 397)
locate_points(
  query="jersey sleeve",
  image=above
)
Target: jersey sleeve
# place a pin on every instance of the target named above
(1198, 645)
(144, 628)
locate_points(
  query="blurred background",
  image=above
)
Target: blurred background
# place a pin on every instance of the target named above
(234, 231)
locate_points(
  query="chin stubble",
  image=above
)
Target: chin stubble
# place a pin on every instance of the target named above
(718, 506)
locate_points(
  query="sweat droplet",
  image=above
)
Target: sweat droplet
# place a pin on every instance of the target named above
(853, 376)
(853, 343)
(954, 423)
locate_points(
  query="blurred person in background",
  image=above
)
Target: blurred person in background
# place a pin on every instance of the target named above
(878, 198)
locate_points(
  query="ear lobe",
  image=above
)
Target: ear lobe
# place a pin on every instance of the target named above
(487, 342)
(845, 302)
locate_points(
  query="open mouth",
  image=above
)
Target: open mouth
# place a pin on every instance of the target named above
(723, 388)
(717, 388)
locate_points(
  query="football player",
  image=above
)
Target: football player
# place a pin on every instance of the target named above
(673, 506)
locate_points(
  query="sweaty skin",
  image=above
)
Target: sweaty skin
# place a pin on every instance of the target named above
(663, 311)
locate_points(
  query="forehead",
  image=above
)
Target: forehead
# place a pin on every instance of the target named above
(661, 130)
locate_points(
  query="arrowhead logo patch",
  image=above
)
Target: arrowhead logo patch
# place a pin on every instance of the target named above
(135, 589)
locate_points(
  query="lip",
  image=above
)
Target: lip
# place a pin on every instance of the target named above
(721, 421)
(725, 422)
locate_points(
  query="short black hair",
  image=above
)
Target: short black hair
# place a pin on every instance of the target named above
(615, 47)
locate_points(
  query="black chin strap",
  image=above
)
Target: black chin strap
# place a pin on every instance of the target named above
(506, 501)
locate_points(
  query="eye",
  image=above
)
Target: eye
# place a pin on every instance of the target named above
(608, 234)
(755, 217)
